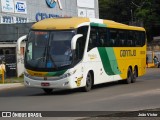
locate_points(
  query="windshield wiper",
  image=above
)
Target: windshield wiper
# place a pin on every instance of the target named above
(52, 59)
(48, 52)
(43, 58)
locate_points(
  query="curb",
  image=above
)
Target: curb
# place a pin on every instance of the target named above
(11, 85)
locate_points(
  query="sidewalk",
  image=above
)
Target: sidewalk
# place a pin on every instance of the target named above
(10, 85)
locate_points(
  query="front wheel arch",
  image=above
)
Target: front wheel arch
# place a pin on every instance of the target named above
(89, 81)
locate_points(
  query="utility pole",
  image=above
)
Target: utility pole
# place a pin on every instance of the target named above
(132, 13)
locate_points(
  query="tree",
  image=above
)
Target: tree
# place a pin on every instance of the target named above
(129, 11)
(148, 13)
(117, 10)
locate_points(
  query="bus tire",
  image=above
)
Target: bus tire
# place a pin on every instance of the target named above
(129, 76)
(47, 90)
(89, 81)
(134, 76)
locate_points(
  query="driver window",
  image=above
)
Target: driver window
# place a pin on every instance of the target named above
(80, 45)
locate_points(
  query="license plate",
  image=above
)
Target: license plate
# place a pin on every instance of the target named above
(45, 84)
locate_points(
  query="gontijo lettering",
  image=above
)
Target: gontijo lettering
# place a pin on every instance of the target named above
(127, 53)
(52, 3)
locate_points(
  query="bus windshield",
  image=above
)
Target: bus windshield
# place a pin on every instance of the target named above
(49, 49)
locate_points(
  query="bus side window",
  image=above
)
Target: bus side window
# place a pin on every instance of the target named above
(130, 39)
(112, 37)
(117, 40)
(93, 39)
(102, 36)
(135, 38)
(122, 38)
(143, 38)
(139, 40)
(129, 43)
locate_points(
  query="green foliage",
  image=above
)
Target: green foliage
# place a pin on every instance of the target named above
(110, 9)
(133, 11)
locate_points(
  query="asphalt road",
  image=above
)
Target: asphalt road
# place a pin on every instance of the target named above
(144, 94)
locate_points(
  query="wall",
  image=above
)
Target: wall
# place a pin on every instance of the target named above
(34, 10)
(11, 32)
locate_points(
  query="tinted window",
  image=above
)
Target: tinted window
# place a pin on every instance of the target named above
(102, 37)
(98, 37)
(93, 39)
(80, 45)
(122, 38)
(130, 39)
(125, 38)
(109, 37)
(112, 37)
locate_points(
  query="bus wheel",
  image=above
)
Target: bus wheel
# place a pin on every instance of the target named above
(129, 76)
(88, 86)
(47, 90)
(134, 76)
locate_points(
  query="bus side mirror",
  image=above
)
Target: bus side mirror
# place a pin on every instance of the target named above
(74, 41)
(19, 43)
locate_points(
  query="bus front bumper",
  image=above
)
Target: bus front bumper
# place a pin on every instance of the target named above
(65, 83)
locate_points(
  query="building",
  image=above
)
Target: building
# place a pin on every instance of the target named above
(23, 11)
(17, 16)
(154, 45)
(153, 49)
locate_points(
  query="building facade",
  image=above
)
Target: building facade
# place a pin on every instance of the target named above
(23, 11)
(154, 45)
(153, 49)
(17, 16)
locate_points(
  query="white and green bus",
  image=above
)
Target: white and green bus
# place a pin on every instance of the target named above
(73, 53)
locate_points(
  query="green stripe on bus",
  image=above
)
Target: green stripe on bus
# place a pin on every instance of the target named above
(109, 61)
(57, 73)
(97, 25)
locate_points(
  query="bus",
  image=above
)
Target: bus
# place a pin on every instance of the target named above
(68, 53)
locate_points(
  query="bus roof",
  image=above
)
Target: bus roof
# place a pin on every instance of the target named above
(59, 23)
(73, 23)
(113, 24)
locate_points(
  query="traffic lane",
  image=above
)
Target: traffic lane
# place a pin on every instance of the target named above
(143, 83)
(118, 103)
(110, 96)
(151, 74)
(113, 97)
(113, 88)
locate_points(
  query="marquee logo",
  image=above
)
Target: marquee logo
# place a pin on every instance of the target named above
(6, 114)
(52, 3)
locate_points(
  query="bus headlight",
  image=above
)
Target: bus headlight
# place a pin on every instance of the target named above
(68, 74)
(26, 74)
